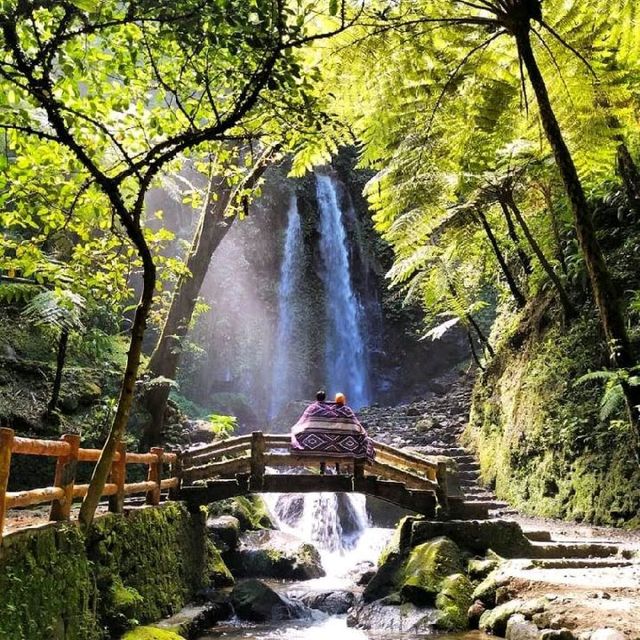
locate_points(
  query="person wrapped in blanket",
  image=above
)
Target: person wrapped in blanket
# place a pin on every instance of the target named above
(331, 429)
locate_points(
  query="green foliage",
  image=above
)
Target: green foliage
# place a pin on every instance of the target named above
(222, 426)
(614, 380)
(59, 309)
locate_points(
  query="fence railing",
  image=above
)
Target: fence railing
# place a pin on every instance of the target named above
(254, 453)
(68, 454)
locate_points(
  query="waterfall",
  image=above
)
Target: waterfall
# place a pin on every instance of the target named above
(345, 358)
(283, 383)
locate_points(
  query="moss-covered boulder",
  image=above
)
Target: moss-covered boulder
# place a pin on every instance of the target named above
(275, 554)
(224, 531)
(454, 600)
(250, 511)
(485, 592)
(255, 601)
(151, 633)
(426, 567)
(480, 568)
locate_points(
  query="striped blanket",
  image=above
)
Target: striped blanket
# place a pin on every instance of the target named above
(326, 429)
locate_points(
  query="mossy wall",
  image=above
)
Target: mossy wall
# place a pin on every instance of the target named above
(58, 584)
(538, 432)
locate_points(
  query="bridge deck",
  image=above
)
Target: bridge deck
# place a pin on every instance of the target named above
(243, 465)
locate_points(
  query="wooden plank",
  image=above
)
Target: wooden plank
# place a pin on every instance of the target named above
(33, 447)
(170, 483)
(410, 479)
(139, 487)
(119, 478)
(65, 477)
(212, 491)
(81, 490)
(258, 448)
(303, 460)
(141, 458)
(199, 458)
(34, 496)
(6, 445)
(155, 476)
(217, 468)
(214, 446)
(407, 457)
(305, 483)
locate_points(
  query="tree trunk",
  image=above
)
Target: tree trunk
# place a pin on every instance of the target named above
(511, 282)
(555, 227)
(57, 382)
(604, 293)
(630, 175)
(103, 467)
(569, 310)
(213, 225)
(525, 261)
(483, 339)
(474, 354)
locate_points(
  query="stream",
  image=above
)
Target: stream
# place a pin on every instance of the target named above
(340, 528)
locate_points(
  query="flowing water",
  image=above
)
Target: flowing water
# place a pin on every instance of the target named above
(345, 358)
(283, 383)
(338, 525)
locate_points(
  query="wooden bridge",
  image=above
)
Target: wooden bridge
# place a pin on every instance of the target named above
(256, 463)
(264, 463)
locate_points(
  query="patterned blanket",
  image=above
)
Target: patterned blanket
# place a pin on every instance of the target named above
(331, 430)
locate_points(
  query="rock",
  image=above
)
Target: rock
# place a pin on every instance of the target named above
(254, 600)
(560, 634)
(427, 424)
(151, 633)
(385, 615)
(503, 594)
(475, 613)
(413, 411)
(331, 602)
(485, 592)
(480, 568)
(495, 620)
(68, 403)
(454, 601)
(274, 554)
(504, 537)
(251, 512)
(225, 530)
(607, 634)
(518, 628)
(219, 574)
(200, 431)
(426, 567)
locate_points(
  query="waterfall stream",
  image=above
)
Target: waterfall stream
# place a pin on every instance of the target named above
(345, 358)
(283, 384)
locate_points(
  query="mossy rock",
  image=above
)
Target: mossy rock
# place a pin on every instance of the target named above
(151, 633)
(480, 568)
(454, 600)
(219, 573)
(426, 567)
(251, 512)
(255, 601)
(486, 590)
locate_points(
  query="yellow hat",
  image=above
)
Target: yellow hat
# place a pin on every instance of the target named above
(341, 399)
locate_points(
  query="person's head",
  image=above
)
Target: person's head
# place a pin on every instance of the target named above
(341, 399)
(321, 396)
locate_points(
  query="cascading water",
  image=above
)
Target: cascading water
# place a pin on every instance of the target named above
(345, 359)
(283, 385)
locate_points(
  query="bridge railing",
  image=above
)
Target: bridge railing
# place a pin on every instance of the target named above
(68, 454)
(253, 453)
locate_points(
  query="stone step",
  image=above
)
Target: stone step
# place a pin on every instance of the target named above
(581, 563)
(468, 482)
(469, 466)
(468, 475)
(492, 505)
(464, 458)
(537, 535)
(478, 488)
(555, 550)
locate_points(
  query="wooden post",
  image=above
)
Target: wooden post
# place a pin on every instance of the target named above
(442, 491)
(6, 443)
(65, 478)
(118, 477)
(358, 468)
(155, 475)
(176, 472)
(258, 448)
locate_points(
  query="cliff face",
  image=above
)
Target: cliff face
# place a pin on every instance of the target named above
(539, 433)
(230, 365)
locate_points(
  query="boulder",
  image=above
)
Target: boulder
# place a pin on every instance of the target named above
(607, 634)
(225, 531)
(480, 568)
(331, 602)
(253, 600)
(518, 628)
(558, 634)
(486, 591)
(478, 536)
(250, 511)
(426, 568)
(475, 613)
(454, 601)
(219, 574)
(274, 554)
(386, 615)
(495, 621)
